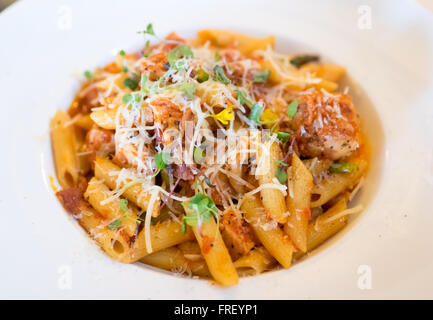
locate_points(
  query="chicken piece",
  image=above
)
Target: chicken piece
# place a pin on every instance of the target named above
(128, 156)
(236, 233)
(154, 66)
(100, 142)
(326, 125)
(173, 40)
(168, 116)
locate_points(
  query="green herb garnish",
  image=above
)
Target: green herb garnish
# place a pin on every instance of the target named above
(199, 209)
(256, 112)
(202, 76)
(188, 88)
(174, 55)
(281, 175)
(115, 224)
(262, 76)
(131, 83)
(217, 56)
(281, 163)
(220, 76)
(243, 97)
(292, 109)
(124, 69)
(283, 136)
(149, 30)
(299, 61)
(88, 74)
(123, 203)
(122, 53)
(162, 158)
(198, 155)
(127, 98)
(343, 167)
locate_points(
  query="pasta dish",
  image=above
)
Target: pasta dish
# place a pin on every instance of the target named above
(215, 157)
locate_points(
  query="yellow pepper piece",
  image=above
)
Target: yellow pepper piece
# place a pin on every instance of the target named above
(224, 116)
(269, 118)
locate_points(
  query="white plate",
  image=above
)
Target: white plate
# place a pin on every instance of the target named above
(45, 45)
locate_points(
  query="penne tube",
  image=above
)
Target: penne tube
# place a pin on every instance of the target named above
(63, 142)
(336, 183)
(273, 200)
(327, 72)
(84, 121)
(97, 192)
(107, 171)
(255, 262)
(273, 239)
(323, 227)
(105, 118)
(300, 184)
(115, 243)
(174, 260)
(163, 235)
(244, 43)
(215, 253)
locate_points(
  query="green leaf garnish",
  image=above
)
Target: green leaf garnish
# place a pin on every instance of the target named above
(162, 158)
(217, 56)
(88, 74)
(299, 61)
(127, 98)
(199, 208)
(149, 30)
(188, 88)
(123, 203)
(131, 83)
(281, 163)
(202, 75)
(122, 53)
(283, 136)
(343, 167)
(198, 155)
(124, 69)
(256, 112)
(115, 224)
(174, 55)
(220, 76)
(292, 109)
(281, 175)
(243, 97)
(262, 76)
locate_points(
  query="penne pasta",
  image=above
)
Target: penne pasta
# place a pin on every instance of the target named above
(245, 44)
(273, 200)
(215, 253)
(272, 237)
(336, 183)
(63, 142)
(257, 261)
(300, 184)
(105, 118)
(323, 227)
(175, 260)
(114, 242)
(107, 171)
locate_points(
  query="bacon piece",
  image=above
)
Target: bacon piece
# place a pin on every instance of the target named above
(72, 199)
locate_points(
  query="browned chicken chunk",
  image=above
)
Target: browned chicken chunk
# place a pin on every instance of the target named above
(326, 125)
